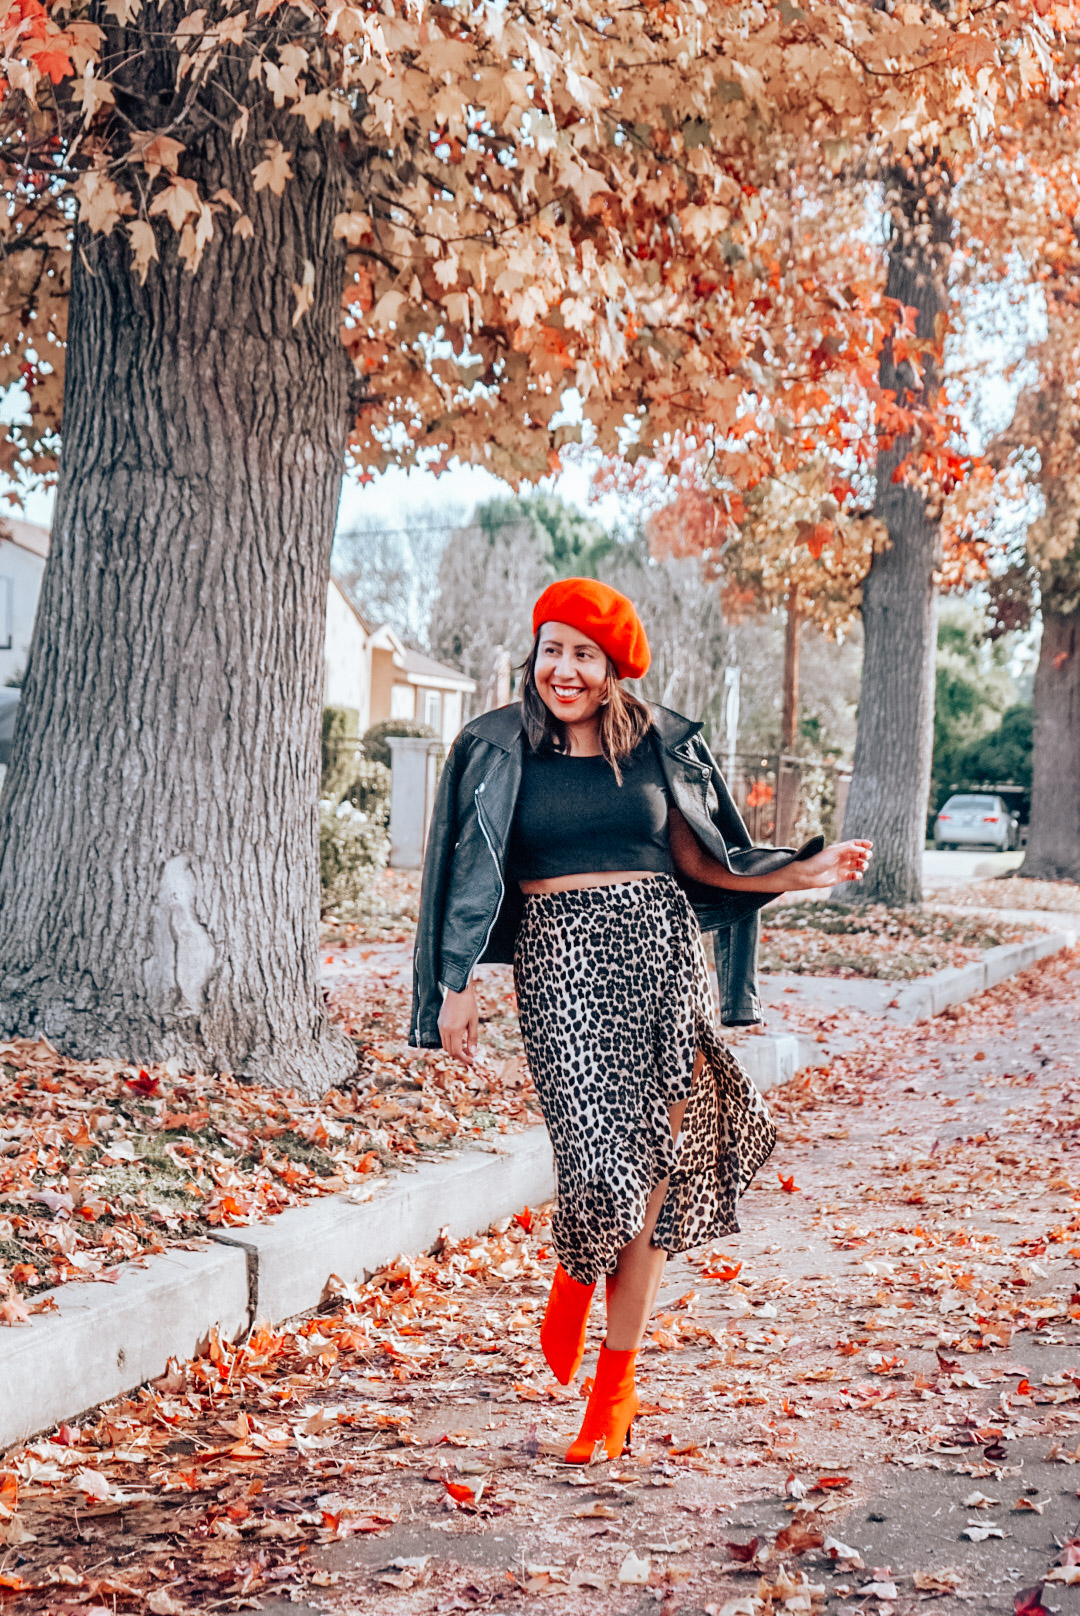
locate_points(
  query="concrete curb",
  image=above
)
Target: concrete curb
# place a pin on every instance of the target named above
(295, 1254)
(105, 1340)
(771, 1060)
(918, 1001)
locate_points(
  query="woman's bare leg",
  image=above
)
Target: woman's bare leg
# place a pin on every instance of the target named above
(631, 1291)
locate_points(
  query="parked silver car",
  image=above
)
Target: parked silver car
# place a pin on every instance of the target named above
(976, 820)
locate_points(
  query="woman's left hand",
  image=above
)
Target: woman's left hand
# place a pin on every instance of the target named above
(843, 861)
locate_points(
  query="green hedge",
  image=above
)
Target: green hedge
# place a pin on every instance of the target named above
(354, 848)
(369, 790)
(375, 738)
(342, 749)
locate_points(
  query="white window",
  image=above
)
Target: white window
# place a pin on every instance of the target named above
(7, 612)
(433, 710)
(402, 701)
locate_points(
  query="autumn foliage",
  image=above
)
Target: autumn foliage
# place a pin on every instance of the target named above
(538, 200)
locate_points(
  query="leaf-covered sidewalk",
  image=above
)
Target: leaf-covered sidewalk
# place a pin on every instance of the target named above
(868, 1401)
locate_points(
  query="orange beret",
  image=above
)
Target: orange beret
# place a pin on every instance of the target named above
(604, 615)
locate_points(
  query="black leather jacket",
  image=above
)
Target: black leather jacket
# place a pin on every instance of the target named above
(467, 915)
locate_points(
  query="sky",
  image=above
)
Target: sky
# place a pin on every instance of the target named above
(393, 496)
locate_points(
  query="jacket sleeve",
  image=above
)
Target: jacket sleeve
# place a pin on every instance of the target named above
(442, 837)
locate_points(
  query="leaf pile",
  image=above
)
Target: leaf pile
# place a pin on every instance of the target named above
(830, 939)
(100, 1164)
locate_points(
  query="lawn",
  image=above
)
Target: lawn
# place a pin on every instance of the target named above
(831, 939)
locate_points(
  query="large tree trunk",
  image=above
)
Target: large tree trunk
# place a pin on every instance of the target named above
(1053, 848)
(891, 778)
(158, 826)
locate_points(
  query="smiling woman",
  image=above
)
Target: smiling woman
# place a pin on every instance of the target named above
(588, 837)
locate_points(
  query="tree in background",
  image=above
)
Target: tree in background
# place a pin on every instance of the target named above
(1038, 192)
(891, 778)
(492, 570)
(973, 692)
(390, 571)
(794, 551)
(1043, 442)
(1002, 756)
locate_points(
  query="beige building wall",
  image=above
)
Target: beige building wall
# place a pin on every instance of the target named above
(22, 565)
(347, 660)
(382, 682)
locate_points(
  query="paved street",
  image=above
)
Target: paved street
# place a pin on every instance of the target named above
(942, 869)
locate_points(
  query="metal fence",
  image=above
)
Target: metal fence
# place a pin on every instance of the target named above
(785, 799)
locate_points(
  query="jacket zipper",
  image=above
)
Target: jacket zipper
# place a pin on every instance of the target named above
(498, 872)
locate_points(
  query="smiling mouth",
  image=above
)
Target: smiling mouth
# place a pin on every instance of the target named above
(566, 693)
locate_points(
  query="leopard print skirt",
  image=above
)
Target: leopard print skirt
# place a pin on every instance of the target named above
(615, 1002)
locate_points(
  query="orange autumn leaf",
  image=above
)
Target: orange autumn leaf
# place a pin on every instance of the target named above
(726, 1274)
(798, 1538)
(55, 63)
(459, 1492)
(743, 1552)
(819, 536)
(788, 1185)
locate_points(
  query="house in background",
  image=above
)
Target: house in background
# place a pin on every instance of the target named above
(24, 548)
(372, 670)
(367, 667)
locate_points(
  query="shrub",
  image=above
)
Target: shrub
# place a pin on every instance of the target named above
(353, 849)
(341, 749)
(370, 791)
(375, 738)
(817, 804)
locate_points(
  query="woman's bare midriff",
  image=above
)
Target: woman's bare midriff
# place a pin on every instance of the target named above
(577, 883)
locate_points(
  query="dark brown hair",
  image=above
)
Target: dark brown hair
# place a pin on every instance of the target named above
(624, 719)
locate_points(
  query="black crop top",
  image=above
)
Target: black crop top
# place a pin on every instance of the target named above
(573, 818)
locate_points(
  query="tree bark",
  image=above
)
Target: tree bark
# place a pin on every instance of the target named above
(158, 825)
(789, 717)
(1053, 847)
(890, 783)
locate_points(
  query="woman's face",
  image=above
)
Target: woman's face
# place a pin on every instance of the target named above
(571, 673)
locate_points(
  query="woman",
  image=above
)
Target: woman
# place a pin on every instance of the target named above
(590, 838)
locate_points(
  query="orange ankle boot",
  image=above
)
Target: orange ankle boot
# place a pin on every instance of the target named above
(610, 1411)
(566, 1317)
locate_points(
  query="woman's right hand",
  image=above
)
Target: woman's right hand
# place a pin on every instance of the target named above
(459, 1024)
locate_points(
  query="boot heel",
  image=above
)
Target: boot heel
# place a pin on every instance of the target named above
(612, 1405)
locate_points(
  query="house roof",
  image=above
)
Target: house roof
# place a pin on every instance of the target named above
(424, 669)
(27, 535)
(351, 604)
(418, 669)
